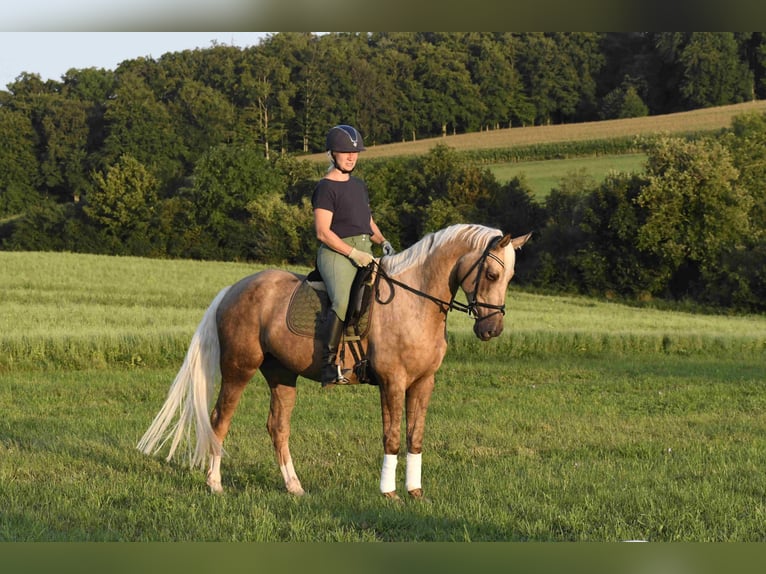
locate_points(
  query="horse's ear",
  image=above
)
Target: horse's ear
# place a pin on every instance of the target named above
(519, 241)
(504, 240)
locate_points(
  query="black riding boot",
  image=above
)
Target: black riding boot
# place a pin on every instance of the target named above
(332, 330)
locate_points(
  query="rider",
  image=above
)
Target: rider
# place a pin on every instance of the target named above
(346, 230)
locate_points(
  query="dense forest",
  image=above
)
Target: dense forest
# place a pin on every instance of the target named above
(198, 153)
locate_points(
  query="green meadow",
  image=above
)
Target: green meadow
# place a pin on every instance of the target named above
(587, 420)
(544, 175)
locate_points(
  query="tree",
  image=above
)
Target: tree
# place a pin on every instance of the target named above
(759, 61)
(702, 69)
(264, 96)
(91, 85)
(203, 117)
(456, 191)
(449, 98)
(281, 232)
(558, 71)
(42, 227)
(30, 84)
(492, 71)
(521, 111)
(226, 180)
(93, 88)
(139, 125)
(304, 54)
(556, 248)
(63, 130)
(61, 135)
(582, 51)
(742, 272)
(608, 258)
(623, 102)
(747, 144)
(512, 208)
(696, 209)
(377, 95)
(713, 72)
(398, 193)
(18, 164)
(123, 202)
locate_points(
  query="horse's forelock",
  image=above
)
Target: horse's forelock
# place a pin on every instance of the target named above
(477, 236)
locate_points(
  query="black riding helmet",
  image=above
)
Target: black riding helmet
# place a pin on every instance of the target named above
(345, 139)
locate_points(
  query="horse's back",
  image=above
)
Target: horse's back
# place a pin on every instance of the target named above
(260, 295)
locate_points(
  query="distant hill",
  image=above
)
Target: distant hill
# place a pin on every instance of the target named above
(707, 119)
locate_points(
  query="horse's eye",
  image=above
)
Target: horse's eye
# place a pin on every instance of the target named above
(492, 275)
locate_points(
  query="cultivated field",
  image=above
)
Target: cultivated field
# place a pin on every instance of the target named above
(708, 119)
(586, 421)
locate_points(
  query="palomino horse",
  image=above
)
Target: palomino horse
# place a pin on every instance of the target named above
(245, 330)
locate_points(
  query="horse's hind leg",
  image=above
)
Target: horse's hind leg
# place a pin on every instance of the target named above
(282, 384)
(228, 399)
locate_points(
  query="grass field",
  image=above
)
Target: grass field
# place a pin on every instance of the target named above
(544, 175)
(586, 421)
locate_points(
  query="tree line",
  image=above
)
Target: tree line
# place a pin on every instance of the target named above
(198, 153)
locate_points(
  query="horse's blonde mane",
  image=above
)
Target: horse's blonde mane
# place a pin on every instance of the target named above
(477, 237)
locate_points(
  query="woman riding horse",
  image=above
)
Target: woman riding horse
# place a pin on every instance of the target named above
(244, 330)
(345, 229)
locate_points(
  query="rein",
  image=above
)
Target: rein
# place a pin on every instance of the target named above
(468, 308)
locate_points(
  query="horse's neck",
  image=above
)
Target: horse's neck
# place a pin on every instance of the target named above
(435, 275)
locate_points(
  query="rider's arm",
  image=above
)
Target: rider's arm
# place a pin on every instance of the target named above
(322, 222)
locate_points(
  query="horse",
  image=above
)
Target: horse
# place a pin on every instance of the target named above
(244, 330)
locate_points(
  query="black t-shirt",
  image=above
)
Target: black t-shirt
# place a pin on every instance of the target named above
(349, 203)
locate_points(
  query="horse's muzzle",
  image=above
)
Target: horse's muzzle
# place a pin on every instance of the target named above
(486, 328)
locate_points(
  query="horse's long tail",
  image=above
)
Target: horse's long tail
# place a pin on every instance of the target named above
(190, 397)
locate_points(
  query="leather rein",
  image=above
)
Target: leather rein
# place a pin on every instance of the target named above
(470, 308)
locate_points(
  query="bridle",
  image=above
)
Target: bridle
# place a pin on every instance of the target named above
(471, 307)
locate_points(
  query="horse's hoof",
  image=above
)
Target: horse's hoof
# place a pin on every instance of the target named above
(215, 487)
(392, 496)
(295, 489)
(417, 494)
(214, 482)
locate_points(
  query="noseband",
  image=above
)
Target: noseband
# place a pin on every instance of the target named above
(469, 308)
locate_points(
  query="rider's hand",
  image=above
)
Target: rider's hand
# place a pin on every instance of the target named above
(360, 258)
(387, 248)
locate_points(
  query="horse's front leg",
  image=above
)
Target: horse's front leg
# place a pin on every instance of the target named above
(417, 399)
(283, 396)
(392, 406)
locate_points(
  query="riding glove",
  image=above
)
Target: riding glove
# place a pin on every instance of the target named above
(360, 258)
(387, 248)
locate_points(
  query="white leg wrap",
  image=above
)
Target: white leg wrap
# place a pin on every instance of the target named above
(388, 474)
(414, 466)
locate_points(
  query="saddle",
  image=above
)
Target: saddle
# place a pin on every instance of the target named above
(309, 305)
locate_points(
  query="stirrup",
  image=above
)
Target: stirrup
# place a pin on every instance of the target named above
(340, 379)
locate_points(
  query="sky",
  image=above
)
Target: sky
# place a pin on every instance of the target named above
(51, 54)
